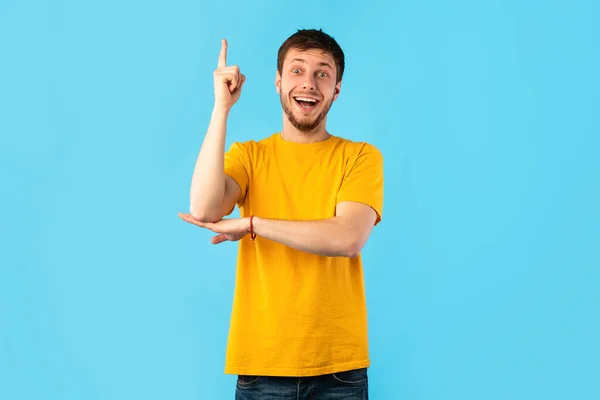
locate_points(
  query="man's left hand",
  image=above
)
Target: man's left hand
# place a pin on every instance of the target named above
(231, 229)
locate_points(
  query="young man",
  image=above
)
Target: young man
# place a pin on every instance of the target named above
(308, 201)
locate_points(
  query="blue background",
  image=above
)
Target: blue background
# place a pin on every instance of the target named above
(483, 278)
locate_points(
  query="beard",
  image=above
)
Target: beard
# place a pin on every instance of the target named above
(304, 124)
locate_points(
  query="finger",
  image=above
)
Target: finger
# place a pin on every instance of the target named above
(186, 217)
(228, 76)
(218, 239)
(223, 54)
(232, 81)
(236, 81)
(190, 218)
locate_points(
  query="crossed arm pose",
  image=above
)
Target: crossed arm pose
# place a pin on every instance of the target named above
(214, 194)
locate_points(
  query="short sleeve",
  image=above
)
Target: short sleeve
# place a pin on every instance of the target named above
(236, 166)
(363, 183)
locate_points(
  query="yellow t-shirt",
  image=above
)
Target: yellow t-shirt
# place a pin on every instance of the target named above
(295, 313)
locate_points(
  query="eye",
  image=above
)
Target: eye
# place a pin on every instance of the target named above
(322, 74)
(295, 70)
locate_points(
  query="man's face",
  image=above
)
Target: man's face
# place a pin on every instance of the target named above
(307, 87)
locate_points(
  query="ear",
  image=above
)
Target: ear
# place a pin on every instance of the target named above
(278, 82)
(336, 91)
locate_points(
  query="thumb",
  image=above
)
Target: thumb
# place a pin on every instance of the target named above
(218, 239)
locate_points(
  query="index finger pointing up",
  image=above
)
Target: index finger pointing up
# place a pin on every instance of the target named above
(223, 55)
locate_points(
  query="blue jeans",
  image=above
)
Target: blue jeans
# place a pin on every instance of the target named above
(347, 385)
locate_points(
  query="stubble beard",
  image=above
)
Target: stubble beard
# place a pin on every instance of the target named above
(307, 125)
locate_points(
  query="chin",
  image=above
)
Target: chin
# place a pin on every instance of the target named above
(305, 119)
(305, 125)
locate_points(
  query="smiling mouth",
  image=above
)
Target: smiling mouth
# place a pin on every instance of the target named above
(307, 103)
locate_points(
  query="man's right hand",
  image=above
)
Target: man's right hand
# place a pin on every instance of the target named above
(228, 81)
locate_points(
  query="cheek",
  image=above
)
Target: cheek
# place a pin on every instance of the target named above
(328, 90)
(289, 83)
(285, 88)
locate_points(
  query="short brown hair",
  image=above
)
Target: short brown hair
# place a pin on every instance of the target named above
(312, 39)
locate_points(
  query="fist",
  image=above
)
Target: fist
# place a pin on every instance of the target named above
(228, 80)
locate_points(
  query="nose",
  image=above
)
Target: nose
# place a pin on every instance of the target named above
(309, 83)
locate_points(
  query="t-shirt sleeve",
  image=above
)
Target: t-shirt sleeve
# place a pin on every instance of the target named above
(363, 183)
(237, 167)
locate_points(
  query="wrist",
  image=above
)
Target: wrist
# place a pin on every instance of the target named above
(252, 226)
(220, 110)
(249, 223)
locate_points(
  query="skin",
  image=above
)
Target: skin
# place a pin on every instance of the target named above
(309, 73)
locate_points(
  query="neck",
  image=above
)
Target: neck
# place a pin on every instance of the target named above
(290, 133)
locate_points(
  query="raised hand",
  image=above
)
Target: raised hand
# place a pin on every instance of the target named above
(228, 80)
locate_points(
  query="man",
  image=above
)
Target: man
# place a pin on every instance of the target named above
(308, 201)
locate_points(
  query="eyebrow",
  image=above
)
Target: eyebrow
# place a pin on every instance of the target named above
(322, 64)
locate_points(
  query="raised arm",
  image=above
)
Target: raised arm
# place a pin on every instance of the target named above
(212, 193)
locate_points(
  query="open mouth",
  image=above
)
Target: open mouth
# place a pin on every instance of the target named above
(307, 103)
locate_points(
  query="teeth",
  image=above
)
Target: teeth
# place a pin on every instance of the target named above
(306, 99)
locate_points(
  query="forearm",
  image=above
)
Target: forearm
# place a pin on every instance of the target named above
(328, 237)
(208, 180)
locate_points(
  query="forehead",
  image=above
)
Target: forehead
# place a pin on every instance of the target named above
(311, 56)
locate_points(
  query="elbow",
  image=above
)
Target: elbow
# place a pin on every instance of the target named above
(203, 215)
(353, 249)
